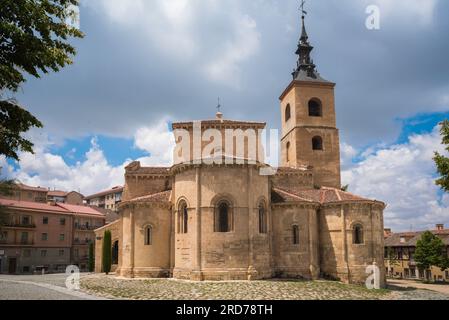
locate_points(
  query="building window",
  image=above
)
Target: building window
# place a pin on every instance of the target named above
(24, 238)
(317, 143)
(62, 221)
(315, 108)
(115, 253)
(148, 236)
(183, 218)
(263, 228)
(288, 113)
(26, 269)
(44, 236)
(223, 218)
(287, 150)
(45, 220)
(358, 234)
(295, 235)
(76, 253)
(61, 237)
(61, 253)
(43, 253)
(3, 235)
(26, 220)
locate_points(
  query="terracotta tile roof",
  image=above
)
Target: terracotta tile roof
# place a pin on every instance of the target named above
(135, 167)
(22, 186)
(410, 239)
(105, 192)
(322, 196)
(34, 206)
(82, 210)
(56, 193)
(155, 197)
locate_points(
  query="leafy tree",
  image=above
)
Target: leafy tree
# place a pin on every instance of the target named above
(33, 41)
(430, 251)
(91, 263)
(107, 252)
(6, 189)
(441, 161)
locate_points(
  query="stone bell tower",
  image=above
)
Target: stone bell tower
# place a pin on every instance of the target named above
(309, 131)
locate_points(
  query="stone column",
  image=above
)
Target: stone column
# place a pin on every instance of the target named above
(314, 244)
(133, 242)
(197, 258)
(252, 272)
(344, 243)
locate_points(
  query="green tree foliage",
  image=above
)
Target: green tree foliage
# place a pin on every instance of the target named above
(107, 252)
(430, 251)
(6, 189)
(33, 41)
(91, 262)
(441, 161)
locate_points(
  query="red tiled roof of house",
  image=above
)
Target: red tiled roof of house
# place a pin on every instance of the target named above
(35, 206)
(105, 192)
(57, 193)
(22, 186)
(83, 210)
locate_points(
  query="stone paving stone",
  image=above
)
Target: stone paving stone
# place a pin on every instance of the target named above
(169, 289)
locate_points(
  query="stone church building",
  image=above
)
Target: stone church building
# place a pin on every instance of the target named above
(207, 220)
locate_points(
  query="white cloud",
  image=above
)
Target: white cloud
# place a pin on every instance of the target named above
(158, 141)
(181, 29)
(94, 173)
(403, 176)
(419, 10)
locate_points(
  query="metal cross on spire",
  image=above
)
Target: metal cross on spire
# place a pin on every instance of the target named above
(218, 105)
(303, 2)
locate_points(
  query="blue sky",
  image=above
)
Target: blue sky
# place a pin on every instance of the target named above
(144, 64)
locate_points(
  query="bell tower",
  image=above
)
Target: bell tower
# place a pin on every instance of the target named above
(309, 129)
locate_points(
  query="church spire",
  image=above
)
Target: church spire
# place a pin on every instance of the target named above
(305, 68)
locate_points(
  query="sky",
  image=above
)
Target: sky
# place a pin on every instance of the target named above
(144, 64)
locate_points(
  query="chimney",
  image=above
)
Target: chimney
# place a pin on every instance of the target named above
(440, 227)
(387, 232)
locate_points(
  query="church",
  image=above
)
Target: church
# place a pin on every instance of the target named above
(203, 219)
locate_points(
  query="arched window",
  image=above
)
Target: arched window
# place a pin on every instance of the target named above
(295, 235)
(288, 112)
(183, 218)
(148, 236)
(317, 143)
(115, 253)
(358, 234)
(315, 108)
(288, 151)
(223, 217)
(263, 227)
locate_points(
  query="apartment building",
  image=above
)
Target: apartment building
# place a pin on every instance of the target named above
(108, 199)
(45, 237)
(23, 192)
(399, 255)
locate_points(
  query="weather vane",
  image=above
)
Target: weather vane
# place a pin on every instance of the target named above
(303, 2)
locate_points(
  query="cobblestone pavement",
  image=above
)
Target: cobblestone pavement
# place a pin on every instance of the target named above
(165, 289)
(38, 287)
(441, 288)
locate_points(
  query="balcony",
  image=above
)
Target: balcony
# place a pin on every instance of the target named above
(17, 243)
(20, 225)
(81, 242)
(85, 228)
